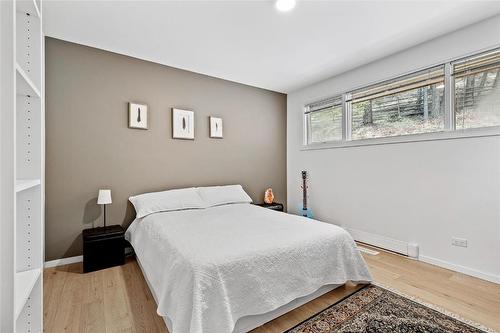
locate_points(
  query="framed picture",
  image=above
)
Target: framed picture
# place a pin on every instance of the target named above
(182, 124)
(137, 116)
(216, 127)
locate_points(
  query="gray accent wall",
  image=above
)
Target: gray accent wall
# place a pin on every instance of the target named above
(89, 145)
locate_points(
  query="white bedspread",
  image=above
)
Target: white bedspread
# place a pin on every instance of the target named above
(210, 267)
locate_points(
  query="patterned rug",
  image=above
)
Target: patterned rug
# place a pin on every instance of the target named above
(373, 309)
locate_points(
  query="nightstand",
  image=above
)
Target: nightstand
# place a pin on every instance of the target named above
(274, 206)
(103, 247)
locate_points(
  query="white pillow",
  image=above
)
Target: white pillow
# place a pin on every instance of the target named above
(221, 195)
(149, 203)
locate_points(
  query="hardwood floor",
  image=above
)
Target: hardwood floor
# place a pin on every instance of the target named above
(118, 299)
(111, 300)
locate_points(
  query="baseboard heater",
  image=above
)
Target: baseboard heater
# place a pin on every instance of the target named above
(394, 245)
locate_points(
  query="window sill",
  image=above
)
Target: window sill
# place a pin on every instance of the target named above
(446, 135)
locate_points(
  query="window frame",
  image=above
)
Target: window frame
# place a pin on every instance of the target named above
(449, 132)
(464, 61)
(384, 87)
(329, 102)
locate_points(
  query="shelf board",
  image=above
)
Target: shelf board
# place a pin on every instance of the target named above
(24, 283)
(28, 6)
(24, 85)
(24, 184)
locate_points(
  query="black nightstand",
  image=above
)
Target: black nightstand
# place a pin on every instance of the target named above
(103, 247)
(274, 206)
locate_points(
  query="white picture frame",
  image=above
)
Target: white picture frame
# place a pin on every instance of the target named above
(216, 127)
(137, 116)
(182, 124)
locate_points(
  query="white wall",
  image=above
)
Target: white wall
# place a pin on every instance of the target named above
(423, 192)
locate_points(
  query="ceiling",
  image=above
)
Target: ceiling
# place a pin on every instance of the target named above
(250, 42)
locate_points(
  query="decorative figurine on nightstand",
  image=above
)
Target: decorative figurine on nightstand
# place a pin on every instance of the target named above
(269, 201)
(269, 196)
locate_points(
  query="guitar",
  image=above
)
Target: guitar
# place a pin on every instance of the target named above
(304, 211)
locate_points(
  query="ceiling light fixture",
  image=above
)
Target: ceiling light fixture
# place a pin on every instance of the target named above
(285, 5)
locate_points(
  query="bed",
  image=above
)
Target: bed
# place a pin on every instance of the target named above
(233, 266)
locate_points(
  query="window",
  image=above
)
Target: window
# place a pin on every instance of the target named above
(324, 121)
(412, 104)
(477, 91)
(463, 94)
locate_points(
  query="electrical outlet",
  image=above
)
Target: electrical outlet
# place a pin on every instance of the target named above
(462, 242)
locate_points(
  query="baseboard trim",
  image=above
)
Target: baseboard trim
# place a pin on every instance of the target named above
(379, 241)
(459, 268)
(63, 261)
(402, 247)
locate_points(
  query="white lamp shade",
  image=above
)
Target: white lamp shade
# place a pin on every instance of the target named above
(104, 197)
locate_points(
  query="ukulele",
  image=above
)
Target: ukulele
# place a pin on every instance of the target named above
(304, 211)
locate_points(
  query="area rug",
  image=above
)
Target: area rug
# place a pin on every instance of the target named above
(374, 309)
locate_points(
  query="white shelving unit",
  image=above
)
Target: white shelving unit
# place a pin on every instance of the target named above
(25, 282)
(24, 85)
(30, 7)
(24, 184)
(22, 166)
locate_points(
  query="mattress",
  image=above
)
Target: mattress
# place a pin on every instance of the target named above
(210, 267)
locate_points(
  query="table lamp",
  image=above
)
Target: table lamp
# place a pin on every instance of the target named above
(104, 198)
